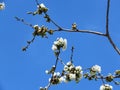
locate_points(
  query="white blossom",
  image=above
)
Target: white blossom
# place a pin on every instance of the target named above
(61, 79)
(65, 44)
(66, 81)
(59, 43)
(68, 67)
(72, 76)
(54, 48)
(56, 74)
(2, 6)
(49, 79)
(36, 27)
(65, 68)
(46, 71)
(42, 5)
(41, 8)
(56, 42)
(62, 42)
(96, 68)
(69, 63)
(78, 68)
(71, 67)
(106, 87)
(60, 39)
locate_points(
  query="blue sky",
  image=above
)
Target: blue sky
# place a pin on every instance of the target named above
(26, 70)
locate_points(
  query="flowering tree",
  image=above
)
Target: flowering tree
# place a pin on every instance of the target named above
(70, 72)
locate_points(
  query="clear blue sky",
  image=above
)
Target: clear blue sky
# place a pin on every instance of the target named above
(26, 70)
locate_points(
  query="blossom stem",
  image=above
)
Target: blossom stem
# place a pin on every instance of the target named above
(56, 62)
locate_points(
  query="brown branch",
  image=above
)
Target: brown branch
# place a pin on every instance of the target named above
(82, 31)
(52, 21)
(107, 17)
(113, 44)
(94, 32)
(107, 29)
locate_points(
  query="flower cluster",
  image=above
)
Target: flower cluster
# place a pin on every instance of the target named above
(40, 31)
(41, 8)
(56, 76)
(72, 72)
(59, 43)
(2, 6)
(95, 69)
(106, 87)
(56, 79)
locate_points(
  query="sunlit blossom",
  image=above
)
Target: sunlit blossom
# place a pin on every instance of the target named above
(59, 43)
(106, 87)
(2, 6)
(96, 68)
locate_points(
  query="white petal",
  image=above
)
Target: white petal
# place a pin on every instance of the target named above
(64, 44)
(96, 68)
(72, 76)
(42, 5)
(61, 79)
(54, 48)
(79, 68)
(58, 73)
(69, 63)
(61, 39)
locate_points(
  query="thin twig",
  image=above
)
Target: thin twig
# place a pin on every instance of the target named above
(71, 57)
(61, 61)
(117, 76)
(52, 21)
(102, 78)
(28, 44)
(37, 2)
(55, 24)
(56, 62)
(23, 21)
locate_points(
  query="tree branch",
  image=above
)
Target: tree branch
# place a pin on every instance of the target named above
(107, 29)
(52, 21)
(82, 31)
(107, 17)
